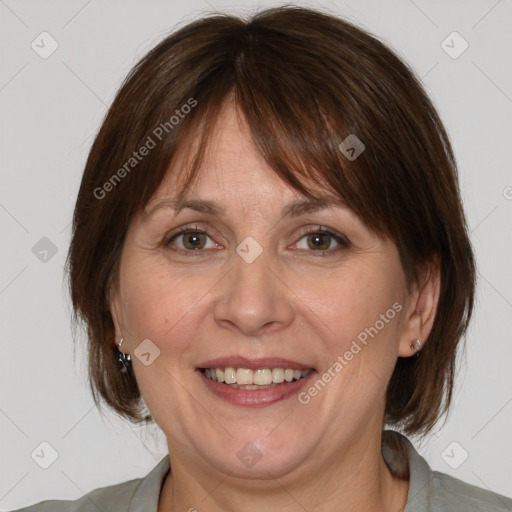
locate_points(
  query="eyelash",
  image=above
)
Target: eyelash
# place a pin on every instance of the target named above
(343, 242)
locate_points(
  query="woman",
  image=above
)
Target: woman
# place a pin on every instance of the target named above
(271, 257)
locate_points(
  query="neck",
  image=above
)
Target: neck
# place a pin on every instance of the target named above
(353, 479)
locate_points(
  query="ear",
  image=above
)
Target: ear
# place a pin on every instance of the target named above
(422, 308)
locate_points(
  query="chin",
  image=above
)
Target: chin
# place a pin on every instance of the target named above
(256, 457)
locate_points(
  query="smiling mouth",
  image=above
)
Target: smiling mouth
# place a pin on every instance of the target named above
(246, 378)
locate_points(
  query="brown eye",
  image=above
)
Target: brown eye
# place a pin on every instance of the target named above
(189, 241)
(320, 241)
(193, 240)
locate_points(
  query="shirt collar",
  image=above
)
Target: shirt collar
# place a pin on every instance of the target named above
(147, 493)
(420, 476)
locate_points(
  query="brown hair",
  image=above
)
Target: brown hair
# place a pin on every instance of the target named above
(304, 80)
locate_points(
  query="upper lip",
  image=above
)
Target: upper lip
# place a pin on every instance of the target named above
(253, 364)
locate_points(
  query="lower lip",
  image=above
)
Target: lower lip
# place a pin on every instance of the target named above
(255, 397)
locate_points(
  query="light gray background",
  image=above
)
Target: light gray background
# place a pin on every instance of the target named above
(50, 110)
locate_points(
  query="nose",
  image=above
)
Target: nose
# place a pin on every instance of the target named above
(254, 298)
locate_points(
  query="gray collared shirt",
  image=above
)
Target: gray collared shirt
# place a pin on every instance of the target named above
(429, 491)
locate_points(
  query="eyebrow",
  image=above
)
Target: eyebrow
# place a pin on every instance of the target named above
(292, 209)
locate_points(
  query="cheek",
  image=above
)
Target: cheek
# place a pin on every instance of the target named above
(164, 306)
(362, 310)
(158, 304)
(359, 302)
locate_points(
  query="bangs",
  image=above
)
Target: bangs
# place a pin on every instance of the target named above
(292, 131)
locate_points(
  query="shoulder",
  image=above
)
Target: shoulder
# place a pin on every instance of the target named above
(449, 493)
(111, 497)
(139, 494)
(433, 491)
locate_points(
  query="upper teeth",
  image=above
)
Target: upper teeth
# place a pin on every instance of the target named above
(262, 376)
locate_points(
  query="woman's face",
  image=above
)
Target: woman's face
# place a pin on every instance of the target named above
(258, 287)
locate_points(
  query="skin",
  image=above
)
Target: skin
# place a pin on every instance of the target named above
(290, 302)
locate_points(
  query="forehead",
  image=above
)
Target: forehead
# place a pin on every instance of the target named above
(233, 172)
(230, 158)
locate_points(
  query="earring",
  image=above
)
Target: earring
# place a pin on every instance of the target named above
(124, 361)
(416, 346)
